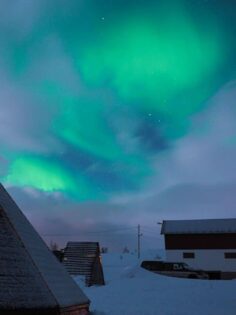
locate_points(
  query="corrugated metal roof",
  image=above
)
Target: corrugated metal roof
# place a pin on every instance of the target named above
(30, 274)
(205, 226)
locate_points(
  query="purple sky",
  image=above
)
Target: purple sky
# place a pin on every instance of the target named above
(84, 158)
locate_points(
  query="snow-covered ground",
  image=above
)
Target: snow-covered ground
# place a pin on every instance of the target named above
(131, 290)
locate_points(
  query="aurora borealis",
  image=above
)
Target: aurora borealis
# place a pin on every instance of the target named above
(108, 100)
(154, 59)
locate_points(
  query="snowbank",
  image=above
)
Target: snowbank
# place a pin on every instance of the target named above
(131, 290)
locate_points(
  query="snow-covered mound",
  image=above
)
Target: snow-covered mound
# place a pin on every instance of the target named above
(131, 290)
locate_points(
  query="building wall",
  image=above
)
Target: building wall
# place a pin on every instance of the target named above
(210, 259)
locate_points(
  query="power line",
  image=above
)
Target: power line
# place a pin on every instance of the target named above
(152, 232)
(88, 232)
(153, 228)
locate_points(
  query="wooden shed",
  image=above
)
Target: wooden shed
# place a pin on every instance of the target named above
(83, 258)
(32, 281)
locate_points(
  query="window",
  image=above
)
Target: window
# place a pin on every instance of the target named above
(230, 255)
(188, 255)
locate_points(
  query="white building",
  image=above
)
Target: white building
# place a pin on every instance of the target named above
(202, 244)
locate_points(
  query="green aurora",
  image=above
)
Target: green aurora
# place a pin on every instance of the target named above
(152, 65)
(40, 174)
(156, 61)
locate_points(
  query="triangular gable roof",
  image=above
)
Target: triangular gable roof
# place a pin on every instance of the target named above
(30, 275)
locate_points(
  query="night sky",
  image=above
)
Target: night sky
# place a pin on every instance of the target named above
(117, 112)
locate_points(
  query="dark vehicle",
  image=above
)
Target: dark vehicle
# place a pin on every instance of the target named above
(174, 269)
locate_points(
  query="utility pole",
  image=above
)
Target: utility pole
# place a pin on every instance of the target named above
(139, 236)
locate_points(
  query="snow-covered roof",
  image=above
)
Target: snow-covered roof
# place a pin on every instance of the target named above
(206, 226)
(30, 277)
